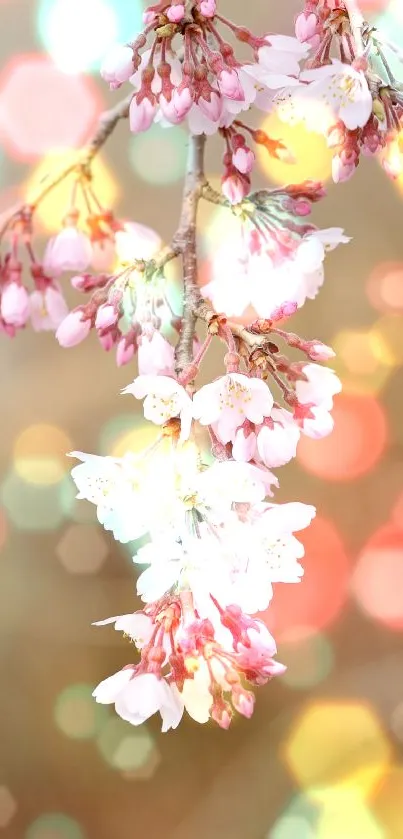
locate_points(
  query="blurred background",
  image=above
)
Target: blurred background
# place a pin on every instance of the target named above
(321, 758)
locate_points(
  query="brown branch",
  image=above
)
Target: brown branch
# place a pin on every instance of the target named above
(205, 312)
(107, 123)
(185, 240)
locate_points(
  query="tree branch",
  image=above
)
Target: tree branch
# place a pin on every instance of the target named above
(185, 239)
(107, 123)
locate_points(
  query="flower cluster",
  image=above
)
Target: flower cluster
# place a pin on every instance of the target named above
(182, 69)
(276, 264)
(352, 98)
(215, 544)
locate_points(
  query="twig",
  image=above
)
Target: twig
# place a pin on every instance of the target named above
(185, 239)
(107, 123)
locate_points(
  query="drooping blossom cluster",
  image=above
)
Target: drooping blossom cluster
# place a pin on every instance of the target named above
(201, 498)
(347, 90)
(276, 264)
(182, 69)
(215, 544)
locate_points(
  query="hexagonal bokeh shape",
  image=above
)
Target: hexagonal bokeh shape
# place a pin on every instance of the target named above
(337, 744)
(132, 752)
(82, 549)
(42, 108)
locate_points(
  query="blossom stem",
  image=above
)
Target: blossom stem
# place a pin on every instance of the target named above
(185, 239)
(357, 23)
(107, 123)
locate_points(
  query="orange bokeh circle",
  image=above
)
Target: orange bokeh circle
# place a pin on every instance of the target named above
(317, 601)
(356, 444)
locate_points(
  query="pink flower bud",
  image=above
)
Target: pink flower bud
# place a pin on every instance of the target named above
(14, 304)
(106, 316)
(117, 66)
(107, 341)
(208, 8)
(176, 13)
(318, 351)
(342, 171)
(235, 188)
(244, 702)
(141, 114)
(124, 352)
(243, 160)
(73, 329)
(230, 85)
(305, 26)
(212, 107)
(182, 100)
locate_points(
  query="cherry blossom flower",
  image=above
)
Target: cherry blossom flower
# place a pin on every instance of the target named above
(319, 386)
(164, 399)
(70, 250)
(277, 438)
(228, 401)
(137, 626)
(258, 271)
(343, 90)
(138, 697)
(48, 309)
(114, 486)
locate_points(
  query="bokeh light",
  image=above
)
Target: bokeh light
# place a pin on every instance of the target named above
(391, 328)
(62, 23)
(387, 803)
(362, 361)
(345, 815)
(378, 577)
(76, 713)
(317, 600)
(125, 433)
(128, 750)
(159, 157)
(313, 159)
(43, 109)
(337, 744)
(31, 507)
(8, 807)
(309, 658)
(340, 814)
(356, 444)
(82, 549)
(40, 454)
(53, 208)
(385, 287)
(55, 826)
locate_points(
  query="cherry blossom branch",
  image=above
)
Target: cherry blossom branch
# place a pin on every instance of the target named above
(106, 125)
(357, 23)
(185, 239)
